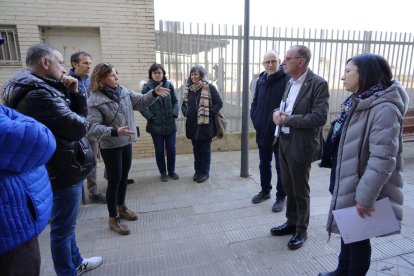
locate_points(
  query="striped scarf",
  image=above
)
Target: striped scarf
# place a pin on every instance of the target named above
(203, 112)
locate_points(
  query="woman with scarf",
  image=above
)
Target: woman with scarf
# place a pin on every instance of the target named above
(201, 103)
(364, 150)
(111, 118)
(161, 122)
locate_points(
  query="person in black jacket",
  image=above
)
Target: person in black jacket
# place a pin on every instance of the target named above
(201, 103)
(267, 96)
(161, 124)
(44, 92)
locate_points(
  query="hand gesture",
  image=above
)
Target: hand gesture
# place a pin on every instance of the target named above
(124, 131)
(162, 91)
(70, 83)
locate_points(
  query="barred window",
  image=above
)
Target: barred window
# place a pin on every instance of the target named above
(9, 50)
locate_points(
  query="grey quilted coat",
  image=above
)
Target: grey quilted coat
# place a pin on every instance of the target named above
(105, 114)
(370, 161)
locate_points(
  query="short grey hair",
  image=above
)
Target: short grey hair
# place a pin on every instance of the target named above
(304, 52)
(37, 52)
(200, 69)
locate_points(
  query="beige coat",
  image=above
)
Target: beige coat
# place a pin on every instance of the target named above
(370, 162)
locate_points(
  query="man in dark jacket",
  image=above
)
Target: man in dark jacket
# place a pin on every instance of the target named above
(268, 94)
(44, 92)
(301, 119)
(81, 65)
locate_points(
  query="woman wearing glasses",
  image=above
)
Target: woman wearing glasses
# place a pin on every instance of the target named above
(161, 122)
(364, 150)
(201, 103)
(111, 117)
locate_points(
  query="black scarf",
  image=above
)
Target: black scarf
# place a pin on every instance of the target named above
(113, 94)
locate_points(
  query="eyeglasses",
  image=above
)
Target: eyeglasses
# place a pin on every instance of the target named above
(289, 58)
(106, 64)
(270, 62)
(157, 73)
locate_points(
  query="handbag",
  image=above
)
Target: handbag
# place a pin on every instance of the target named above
(221, 125)
(219, 121)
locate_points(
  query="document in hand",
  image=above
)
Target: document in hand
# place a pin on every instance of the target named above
(353, 228)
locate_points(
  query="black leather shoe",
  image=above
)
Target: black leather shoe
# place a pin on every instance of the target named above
(333, 273)
(202, 177)
(130, 181)
(163, 177)
(283, 230)
(297, 240)
(260, 197)
(196, 176)
(173, 175)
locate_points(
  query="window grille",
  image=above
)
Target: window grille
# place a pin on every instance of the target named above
(9, 50)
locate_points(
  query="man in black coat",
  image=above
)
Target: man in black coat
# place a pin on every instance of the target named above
(268, 94)
(44, 92)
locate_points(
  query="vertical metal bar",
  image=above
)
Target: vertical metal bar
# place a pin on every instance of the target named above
(244, 167)
(239, 68)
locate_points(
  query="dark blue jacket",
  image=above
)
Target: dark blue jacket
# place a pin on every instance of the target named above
(64, 113)
(83, 83)
(267, 97)
(25, 190)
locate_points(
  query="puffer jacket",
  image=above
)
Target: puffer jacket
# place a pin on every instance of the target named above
(161, 115)
(48, 101)
(369, 165)
(25, 190)
(193, 130)
(267, 97)
(106, 115)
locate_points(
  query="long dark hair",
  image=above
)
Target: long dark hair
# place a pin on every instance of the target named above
(155, 67)
(373, 69)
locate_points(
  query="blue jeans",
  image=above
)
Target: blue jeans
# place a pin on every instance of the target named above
(355, 258)
(265, 167)
(166, 142)
(202, 156)
(65, 253)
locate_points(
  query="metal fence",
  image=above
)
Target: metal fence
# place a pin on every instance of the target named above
(219, 48)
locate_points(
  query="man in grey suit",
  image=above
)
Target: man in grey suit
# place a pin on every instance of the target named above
(301, 118)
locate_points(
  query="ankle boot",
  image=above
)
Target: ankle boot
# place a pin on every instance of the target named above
(126, 214)
(116, 225)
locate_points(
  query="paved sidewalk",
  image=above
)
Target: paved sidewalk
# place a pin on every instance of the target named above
(186, 228)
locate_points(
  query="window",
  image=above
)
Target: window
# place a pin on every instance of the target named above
(9, 50)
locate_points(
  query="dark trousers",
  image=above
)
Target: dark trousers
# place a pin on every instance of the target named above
(166, 142)
(295, 177)
(355, 258)
(202, 156)
(265, 167)
(23, 260)
(117, 163)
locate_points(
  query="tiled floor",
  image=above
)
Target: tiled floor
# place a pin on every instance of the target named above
(185, 228)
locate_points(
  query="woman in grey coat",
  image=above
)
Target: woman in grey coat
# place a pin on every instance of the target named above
(366, 150)
(111, 117)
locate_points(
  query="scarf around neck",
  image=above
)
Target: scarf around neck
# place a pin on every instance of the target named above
(203, 112)
(113, 94)
(346, 108)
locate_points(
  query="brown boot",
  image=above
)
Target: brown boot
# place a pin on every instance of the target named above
(116, 225)
(126, 214)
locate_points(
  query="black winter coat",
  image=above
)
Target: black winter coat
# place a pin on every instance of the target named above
(48, 102)
(193, 130)
(267, 97)
(162, 113)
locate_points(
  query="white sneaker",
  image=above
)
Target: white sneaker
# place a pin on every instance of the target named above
(89, 264)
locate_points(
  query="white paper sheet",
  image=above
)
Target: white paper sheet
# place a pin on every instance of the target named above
(353, 228)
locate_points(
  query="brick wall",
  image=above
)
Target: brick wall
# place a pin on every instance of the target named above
(126, 29)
